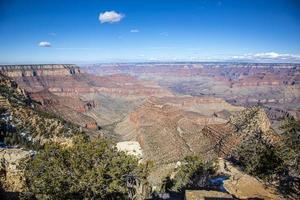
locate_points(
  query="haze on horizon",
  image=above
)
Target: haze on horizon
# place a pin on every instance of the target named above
(81, 31)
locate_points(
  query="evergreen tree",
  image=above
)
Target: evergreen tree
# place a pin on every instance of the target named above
(86, 170)
(291, 149)
(193, 173)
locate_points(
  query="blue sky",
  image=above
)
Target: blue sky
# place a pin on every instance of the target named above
(71, 31)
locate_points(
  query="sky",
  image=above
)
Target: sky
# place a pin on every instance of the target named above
(90, 31)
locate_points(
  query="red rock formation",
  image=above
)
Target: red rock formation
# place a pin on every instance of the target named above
(91, 125)
(222, 137)
(61, 88)
(168, 131)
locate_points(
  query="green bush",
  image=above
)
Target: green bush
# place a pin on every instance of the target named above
(279, 162)
(87, 170)
(259, 159)
(193, 173)
(289, 181)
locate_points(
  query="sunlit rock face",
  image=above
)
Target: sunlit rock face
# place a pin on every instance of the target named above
(170, 128)
(39, 70)
(131, 148)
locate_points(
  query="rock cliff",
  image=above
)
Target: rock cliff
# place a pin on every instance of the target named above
(24, 122)
(39, 70)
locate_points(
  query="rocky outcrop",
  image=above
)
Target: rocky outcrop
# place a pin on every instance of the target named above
(251, 120)
(169, 128)
(247, 125)
(11, 173)
(204, 195)
(243, 186)
(254, 122)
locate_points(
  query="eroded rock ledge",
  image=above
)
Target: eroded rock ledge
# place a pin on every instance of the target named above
(244, 186)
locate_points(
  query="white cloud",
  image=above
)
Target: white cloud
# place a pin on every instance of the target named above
(272, 55)
(134, 31)
(267, 56)
(110, 17)
(44, 44)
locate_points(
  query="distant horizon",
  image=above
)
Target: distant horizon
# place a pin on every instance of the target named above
(150, 62)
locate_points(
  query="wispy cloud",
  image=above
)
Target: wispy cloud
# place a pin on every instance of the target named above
(44, 44)
(164, 34)
(110, 17)
(52, 33)
(268, 56)
(134, 31)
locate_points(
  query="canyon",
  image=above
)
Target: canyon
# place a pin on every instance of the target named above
(161, 112)
(275, 86)
(72, 93)
(144, 101)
